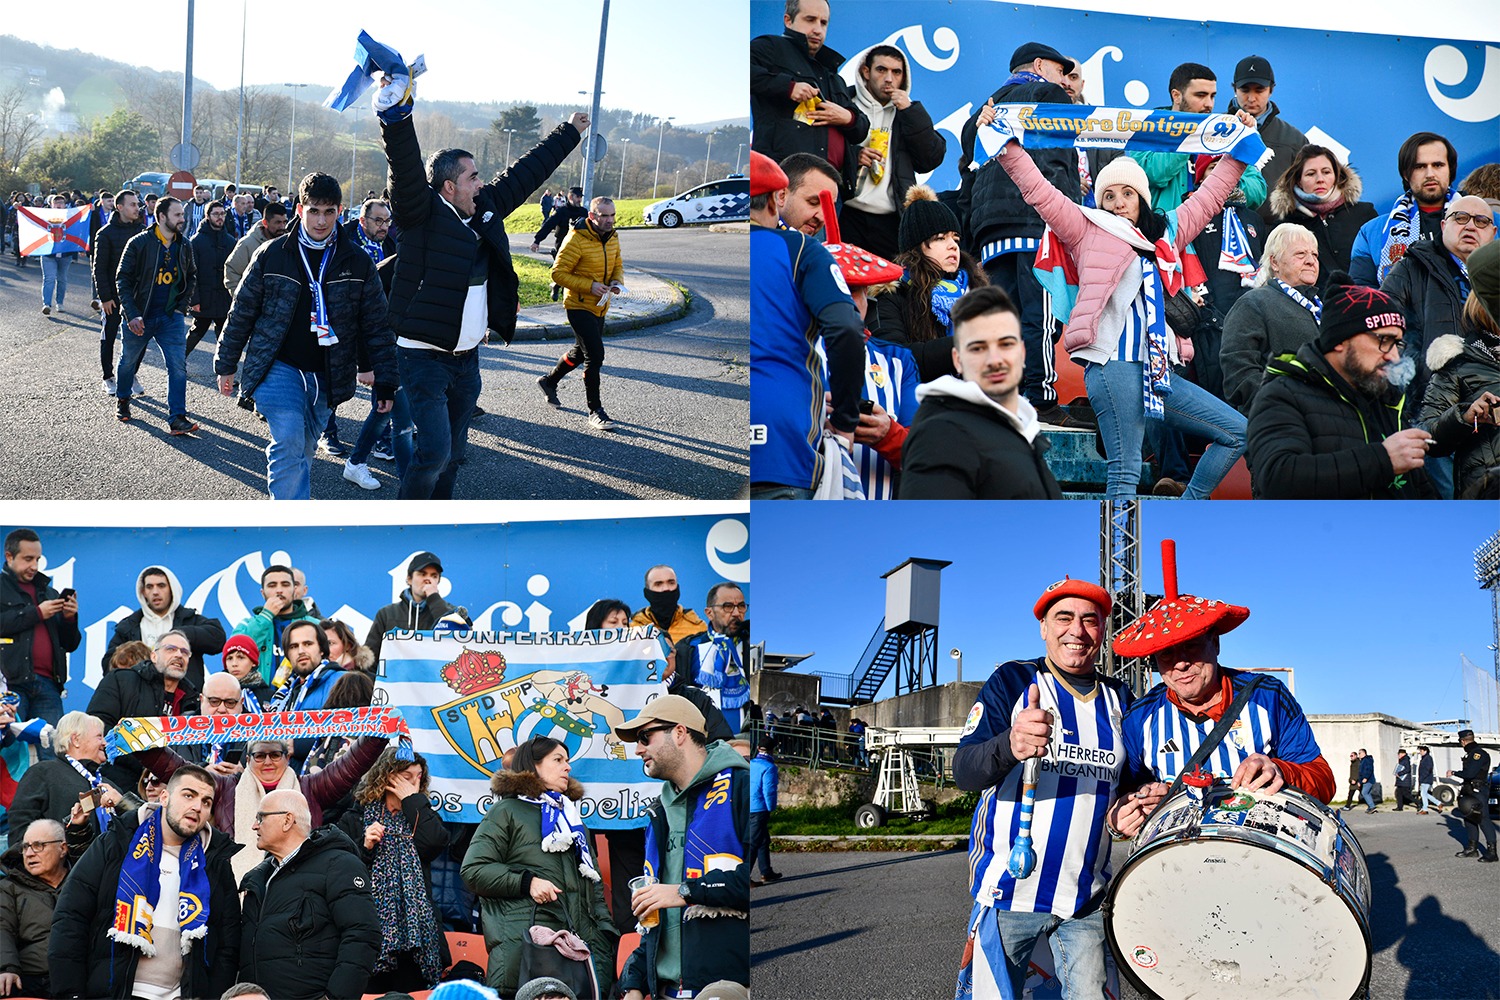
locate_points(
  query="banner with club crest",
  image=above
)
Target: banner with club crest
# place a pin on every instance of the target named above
(468, 697)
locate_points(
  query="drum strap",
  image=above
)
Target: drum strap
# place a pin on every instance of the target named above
(1209, 745)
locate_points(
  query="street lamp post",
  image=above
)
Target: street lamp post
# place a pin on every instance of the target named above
(676, 174)
(737, 154)
(660, 131)
(292, 152)
(239, 137)
(707, 156)
(624, 154)
(510, 134)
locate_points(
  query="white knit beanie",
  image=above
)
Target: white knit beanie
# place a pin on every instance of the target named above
(1124, 170)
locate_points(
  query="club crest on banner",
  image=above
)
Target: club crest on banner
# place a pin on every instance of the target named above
(495, 713)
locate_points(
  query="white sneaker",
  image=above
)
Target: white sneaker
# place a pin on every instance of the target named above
(360, 476)
(137, 389)
(108, 386)
(599, 421)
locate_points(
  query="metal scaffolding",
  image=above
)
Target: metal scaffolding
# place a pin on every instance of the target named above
(1120, 575)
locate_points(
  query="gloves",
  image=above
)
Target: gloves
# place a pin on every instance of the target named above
(393, 101)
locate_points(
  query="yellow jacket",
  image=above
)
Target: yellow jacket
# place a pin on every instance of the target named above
(583, 260)
(684, 623)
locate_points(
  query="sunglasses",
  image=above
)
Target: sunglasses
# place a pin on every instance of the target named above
(644, 736)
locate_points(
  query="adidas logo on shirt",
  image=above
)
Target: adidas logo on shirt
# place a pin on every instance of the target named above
(1170, 747)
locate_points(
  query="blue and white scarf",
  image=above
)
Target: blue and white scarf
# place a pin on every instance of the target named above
(1156, 366)
(947, 292)
(719, 667)
(92, 777)
(369, 246)
(319, 319)
(1313, 305)
(562, 829)
(1234, 248)
(1403, 227)
(1064, 126)
(139, 889)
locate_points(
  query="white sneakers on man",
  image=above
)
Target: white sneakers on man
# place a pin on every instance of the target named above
(360, 476)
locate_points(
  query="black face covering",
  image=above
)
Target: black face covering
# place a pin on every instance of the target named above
(663, 603)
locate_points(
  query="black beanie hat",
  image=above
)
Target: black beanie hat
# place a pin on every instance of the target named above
(924, 218)
(1350, 308)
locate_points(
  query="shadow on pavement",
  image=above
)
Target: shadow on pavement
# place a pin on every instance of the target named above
(811, 944)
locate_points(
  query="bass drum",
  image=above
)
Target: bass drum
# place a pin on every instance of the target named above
(1232, 894)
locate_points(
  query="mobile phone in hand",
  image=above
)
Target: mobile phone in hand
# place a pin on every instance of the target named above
(68, 592)
(866, 406)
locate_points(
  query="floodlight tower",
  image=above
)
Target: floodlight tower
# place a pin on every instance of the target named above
(1120, 576)
(1487, 574)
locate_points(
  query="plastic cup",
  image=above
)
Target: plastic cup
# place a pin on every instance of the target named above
(640, 882)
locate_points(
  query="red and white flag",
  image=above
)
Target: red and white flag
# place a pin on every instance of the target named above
(44, 231)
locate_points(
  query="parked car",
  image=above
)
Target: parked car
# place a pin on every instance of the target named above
(726, 200)
(1445, 791)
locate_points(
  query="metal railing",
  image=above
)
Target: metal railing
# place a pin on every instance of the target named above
(827, 749)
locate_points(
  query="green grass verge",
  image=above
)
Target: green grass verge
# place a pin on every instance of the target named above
(536, 280)
(955, 817)
(528, 218)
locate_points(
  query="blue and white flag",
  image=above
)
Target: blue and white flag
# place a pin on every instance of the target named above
(468, 697)
(371, 57)
(1234, 249)
(1064, 126)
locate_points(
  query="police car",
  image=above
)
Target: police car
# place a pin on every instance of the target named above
(727, 200)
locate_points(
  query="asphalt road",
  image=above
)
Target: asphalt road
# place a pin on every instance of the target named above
(679, 395)
(858, 926)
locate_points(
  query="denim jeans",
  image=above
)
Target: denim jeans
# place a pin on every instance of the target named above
(758, 842)
(441, 390)
(1367, 792)
(170, 333)
(55, 278)
(1427, 800)
(295, 405)
(40, 698)
(773, 491)
(1114, 391)
(398, 421)
(1077, 946)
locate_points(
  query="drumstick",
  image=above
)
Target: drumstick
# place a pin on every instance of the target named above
(1022, 858)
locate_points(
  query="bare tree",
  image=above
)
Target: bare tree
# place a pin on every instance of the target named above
(20, 130)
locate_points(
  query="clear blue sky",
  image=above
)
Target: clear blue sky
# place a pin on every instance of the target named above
(678, 58)
(1370, 603)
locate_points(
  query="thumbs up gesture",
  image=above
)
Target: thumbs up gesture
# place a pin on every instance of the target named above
(1031, 731)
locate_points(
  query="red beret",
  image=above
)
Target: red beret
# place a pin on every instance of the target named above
(765, 174)
(1068, 587)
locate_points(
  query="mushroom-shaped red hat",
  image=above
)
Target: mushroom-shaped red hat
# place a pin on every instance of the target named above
(860, 267)
(1176, 617)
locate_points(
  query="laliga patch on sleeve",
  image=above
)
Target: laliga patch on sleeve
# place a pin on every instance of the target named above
(838, 278)
(975, 714)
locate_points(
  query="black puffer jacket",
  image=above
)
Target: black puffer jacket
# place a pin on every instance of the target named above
(26, 905)
(137, 273)
(205, 635)
(108, 246)
(211, 248)
(560, 221)
(1264, 324)
(437, 251)
(958, 449)
(990, 205)
(264, 310)
(1463, 369)
(19, 616)
(86, 963)
(311, 931)
(1313, 437)
(777, 63)
(1424, 284)
(48, 790)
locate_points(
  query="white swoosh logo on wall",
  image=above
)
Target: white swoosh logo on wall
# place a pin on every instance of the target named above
(1449, 66)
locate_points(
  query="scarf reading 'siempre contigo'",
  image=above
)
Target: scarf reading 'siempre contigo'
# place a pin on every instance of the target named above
(1062, 126)
(139, 891)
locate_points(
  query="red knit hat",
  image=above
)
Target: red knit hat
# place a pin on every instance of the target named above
(1176, 617)
(245, 645)
(1069, 587)
(765, 174)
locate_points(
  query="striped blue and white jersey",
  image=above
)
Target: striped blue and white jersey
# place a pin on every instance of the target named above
(1076, 782)
(891, 382)
(1160, 737)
